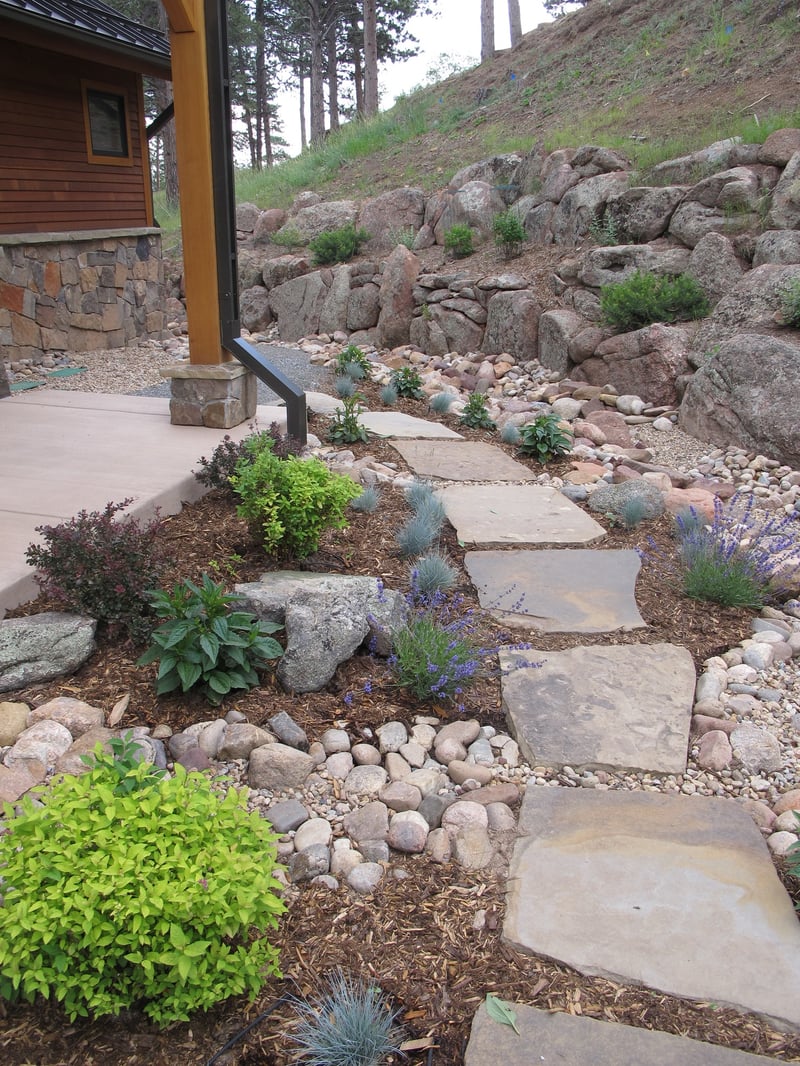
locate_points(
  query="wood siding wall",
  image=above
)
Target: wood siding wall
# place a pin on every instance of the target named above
(47, 183)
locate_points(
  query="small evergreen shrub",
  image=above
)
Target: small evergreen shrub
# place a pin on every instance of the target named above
(432, 573)
(476, 413)
(441, 403)
(509, 233)
(337, 245)
(369, 500)
(510, 434)
(344, 386)
(126, 889)
(458, 240)
(388, 395)
(645, 298)
(352, 1025)
(407, 383)
(790, 303)
(345, 427)
(544, 439)
(288, 503)
(202, 643)
(99, 566)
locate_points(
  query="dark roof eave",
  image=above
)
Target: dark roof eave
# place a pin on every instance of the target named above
(145, 60)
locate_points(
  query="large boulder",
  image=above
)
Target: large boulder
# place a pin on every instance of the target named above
(753, 306)
(297, 304)
(460, 331)
(614, 263)
(512, 325)
(777, 246)
(693, 220)
(475, 205)
(246, 218)
(683, 170)
(499, 171)
(643, 213)
(784, 212)
(254, 309)
(748, 394)
(284, 268)
(363, 307)
(309, 222)
(333, 313)
(400, 274)
(579, 206)
(556, 330)
(43, 646)
(390, 214)
(779, 147)
(646, 362)
(736, 189)
(714, 266)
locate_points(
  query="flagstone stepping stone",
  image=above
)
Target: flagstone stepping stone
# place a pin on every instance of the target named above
(605, 707)
(396, 424)
(571, 1041)
(461, 460)
(562, 591)
(674, 892)
(516, 514)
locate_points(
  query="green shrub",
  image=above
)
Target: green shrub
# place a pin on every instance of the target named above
(216, 472)
(202, 643)
(352, 1025)
(475, 413)
(544, 439)
(509, 233)
(288, 503)
(406, 382)
(337, 245)
(117, 896)
(790, 303)
(345, 427)
(645, 298)
(352, 356)
(458, 240)
(101, 567)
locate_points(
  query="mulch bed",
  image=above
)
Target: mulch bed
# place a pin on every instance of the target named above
(432, 940)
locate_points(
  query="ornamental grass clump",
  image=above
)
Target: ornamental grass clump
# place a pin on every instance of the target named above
(432, 573)
(126, 889)
(436, 655)
(98, 565)
(351, 1025)
(742, 558)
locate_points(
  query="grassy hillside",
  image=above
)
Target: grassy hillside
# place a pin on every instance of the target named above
(654, 79)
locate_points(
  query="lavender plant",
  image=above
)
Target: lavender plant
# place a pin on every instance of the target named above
(743, 558)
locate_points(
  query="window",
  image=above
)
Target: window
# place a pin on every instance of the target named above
(105, 115)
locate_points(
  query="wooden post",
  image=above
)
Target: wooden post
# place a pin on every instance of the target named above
(187, 34)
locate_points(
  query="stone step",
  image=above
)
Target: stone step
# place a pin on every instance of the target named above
(565, 1040)
(461, 460)
(674, 892)
(558, 591)
(516, 514)
(611, 707)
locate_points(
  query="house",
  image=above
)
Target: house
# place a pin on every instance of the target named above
(80, 254)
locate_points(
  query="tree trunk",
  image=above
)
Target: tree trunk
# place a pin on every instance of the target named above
(303, 138)
(261, 85)
(514, 22)
(164, 94)
(487, 29)
(333, 80)
(370, 58)
(317, 43)
(358, 82)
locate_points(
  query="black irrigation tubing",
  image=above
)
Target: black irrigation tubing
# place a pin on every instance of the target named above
(243, 1032)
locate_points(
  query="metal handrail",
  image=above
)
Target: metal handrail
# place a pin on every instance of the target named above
(291, 393)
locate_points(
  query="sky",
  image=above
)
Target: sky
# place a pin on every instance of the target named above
(454, 32)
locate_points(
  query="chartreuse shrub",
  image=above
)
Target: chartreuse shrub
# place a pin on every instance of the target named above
(101, 566)
(288, 503)
(337, 245)
(202, 643)
(645, 298)
(118, 896)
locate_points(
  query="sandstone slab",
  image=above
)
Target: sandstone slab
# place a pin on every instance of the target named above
(566, 591)
(574, 1041)
(614, 707)
(396, 424)
(461, 461)
(634, 886)
(516, 514)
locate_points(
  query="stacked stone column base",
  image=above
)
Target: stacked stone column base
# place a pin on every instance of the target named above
(218, 396)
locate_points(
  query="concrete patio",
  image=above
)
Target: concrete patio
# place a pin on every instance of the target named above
(61, 452)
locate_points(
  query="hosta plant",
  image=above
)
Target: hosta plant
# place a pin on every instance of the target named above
(544, 439)
(202, 642)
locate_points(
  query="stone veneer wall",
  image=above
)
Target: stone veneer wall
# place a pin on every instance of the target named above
(79, 291)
